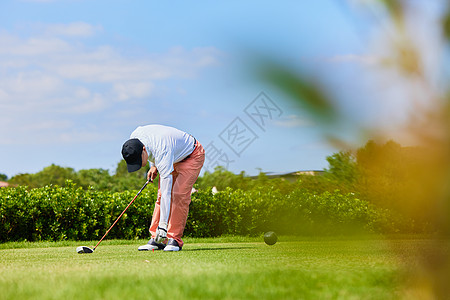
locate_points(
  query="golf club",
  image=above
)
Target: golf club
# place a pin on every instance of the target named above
(84, 249)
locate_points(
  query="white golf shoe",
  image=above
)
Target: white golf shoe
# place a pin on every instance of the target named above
(172, 245)
(151, 245)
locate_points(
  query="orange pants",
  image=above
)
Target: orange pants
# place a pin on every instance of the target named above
(184, 176)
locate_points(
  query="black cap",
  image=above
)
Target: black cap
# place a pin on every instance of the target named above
(132, 153)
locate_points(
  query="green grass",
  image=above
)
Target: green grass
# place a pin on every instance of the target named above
(223, 268)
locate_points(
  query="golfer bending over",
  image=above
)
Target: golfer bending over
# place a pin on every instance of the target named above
(178, 158)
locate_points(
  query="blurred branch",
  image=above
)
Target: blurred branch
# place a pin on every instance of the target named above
(395, 9)
(446, 24)
(308, 94)
(430, 194)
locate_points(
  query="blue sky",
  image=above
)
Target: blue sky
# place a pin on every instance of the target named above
(78, 76)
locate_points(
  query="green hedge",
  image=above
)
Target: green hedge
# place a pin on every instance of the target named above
(237, 212)
(69, 212)
(60, 213)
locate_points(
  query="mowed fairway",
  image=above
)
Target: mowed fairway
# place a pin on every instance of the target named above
(224, 268)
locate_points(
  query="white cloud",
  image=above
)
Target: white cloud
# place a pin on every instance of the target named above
(47, 124)
(32, 84)
(56, 76)
(95, 103)
(76, 29)
(25, 49)
(126, 91)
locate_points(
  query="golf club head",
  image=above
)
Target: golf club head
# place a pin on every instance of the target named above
(84, 249)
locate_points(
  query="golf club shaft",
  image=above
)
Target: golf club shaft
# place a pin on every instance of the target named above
(142, 188)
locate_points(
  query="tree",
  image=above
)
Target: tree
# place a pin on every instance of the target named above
(99, 179)
(52, 174)
(55, 175)
(342, 168)
(122, 180)
(392, 176)
(221, 179)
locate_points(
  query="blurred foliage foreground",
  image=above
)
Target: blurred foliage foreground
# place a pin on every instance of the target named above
(401, 61)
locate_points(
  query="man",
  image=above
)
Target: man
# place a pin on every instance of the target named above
(178, 158)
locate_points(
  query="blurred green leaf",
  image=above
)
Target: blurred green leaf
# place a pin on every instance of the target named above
(308, 94)
(394, 7)
(446, 24)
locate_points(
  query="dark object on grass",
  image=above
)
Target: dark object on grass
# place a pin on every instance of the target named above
(270, 238)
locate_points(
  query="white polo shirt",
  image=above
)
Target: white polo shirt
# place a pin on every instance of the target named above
(165, 146)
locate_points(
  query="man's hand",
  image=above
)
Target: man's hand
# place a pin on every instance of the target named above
(152, 173)
(161, 234)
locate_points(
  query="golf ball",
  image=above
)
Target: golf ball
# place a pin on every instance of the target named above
(270, 238)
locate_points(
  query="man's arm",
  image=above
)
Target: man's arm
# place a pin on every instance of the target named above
(164, 163)
(166, 195)
(165, 185)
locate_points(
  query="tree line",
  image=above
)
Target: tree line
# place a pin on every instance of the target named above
(387, 175)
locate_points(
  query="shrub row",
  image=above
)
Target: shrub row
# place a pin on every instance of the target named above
(237, 212)
(69, 212)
